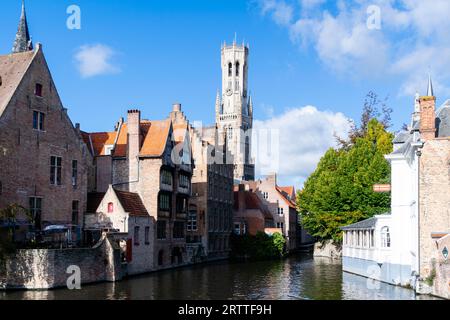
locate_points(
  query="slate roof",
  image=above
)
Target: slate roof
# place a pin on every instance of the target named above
(12, 69)
(401, 137)
(365, 224)
(131, 203)
(443, 120)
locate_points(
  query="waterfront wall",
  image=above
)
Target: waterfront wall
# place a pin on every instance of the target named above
(396, 274)
(438, 281)
(47, 268)
(327, 249)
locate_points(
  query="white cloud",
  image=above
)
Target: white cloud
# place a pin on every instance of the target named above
(413, 38)
(281, 12)
(305, 133)
(94, 60)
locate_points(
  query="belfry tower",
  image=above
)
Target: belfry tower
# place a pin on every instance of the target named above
(234, 110)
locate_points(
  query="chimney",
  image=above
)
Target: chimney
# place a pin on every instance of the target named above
(427, 117)
(134, 143)
(241, 197)
(176, 107)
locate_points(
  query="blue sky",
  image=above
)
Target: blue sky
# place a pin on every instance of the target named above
(302, 52)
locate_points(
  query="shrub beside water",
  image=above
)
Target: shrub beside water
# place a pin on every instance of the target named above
(259, 247)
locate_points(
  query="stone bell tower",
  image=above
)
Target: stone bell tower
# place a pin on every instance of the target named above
(234, 110)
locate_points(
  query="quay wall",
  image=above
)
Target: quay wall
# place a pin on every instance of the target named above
(35, 269)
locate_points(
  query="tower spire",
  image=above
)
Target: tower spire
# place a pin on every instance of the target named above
(23, 41)
(430, 91)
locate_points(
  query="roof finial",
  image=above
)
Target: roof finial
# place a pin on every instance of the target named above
(430, 92)
(23, 41)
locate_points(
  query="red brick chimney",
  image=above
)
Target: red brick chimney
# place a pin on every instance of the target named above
(427, 117)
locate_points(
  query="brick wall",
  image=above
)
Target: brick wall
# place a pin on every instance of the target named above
(434, 198)
(25, 152)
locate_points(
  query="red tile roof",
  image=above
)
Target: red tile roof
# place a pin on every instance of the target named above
(286, 196)
(131, 203)
(154, 136)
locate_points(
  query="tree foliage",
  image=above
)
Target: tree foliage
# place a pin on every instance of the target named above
(259, 247)
(8, 218)
(340, 191)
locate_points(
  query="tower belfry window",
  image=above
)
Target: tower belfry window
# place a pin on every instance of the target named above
(237, 69)
(230, 69)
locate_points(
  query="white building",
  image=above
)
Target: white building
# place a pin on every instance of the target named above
(124, 214)
(386, 247)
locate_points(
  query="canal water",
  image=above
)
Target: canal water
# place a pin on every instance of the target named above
(296, 278)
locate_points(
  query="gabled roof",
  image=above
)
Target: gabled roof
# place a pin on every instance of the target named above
(12, 69)
(98, 141)
(131, 203)
(156, 138)
(285, 193)
(93, 201)
(154, 135)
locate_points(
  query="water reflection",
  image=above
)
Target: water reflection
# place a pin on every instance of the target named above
(299, 277)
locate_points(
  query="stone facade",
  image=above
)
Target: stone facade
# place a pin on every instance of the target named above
(146, 158)
(34, 130)
(234, 110)
(45, 269)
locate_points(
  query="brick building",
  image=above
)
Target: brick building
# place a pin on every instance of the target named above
(280, 201)
(210, 210)
(250, 214)
(145, 157)
(43, 159)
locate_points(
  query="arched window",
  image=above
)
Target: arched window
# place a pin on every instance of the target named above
(110, 207)
(247, 150)
(160, 257)
(230, 69)
(385, 237)
(237, 69)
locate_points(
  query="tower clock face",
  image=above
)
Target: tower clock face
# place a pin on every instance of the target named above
(229, 92)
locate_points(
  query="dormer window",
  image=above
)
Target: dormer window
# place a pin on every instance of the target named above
(38, 90)
(110, 207)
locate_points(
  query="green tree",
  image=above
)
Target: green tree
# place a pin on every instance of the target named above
(8, 217)
(340, 191)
